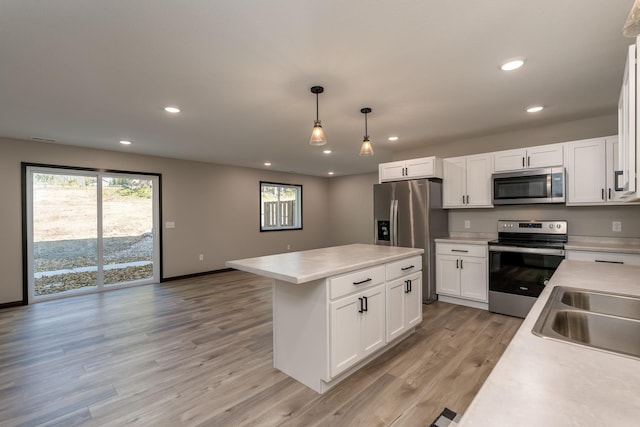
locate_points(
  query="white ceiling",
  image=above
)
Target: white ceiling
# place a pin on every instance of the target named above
(93, 72)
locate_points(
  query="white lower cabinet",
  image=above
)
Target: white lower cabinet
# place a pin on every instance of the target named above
(461, 271)
(357, 327)
(404, 305)
(606, 257)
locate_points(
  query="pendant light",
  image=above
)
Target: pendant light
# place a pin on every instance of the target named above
(366, 149)
(317, 136)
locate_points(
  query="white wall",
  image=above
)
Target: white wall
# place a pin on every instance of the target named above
(351, 209)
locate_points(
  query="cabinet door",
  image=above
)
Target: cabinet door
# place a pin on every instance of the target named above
(413, 301)
(345, 333)
(396, 308)
(454, 182)
(627, 126)
(586, 172)
(479, 169)
(447, 275)
(404, 304)
(473, 278)
(510, 160)
(392, 171)
(373, 321)
(420, 168)
(613, 165)
(545, 156)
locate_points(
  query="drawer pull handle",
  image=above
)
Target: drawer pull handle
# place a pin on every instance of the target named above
(610, 262)
(362, 281)
(408, 268)
(460, 250)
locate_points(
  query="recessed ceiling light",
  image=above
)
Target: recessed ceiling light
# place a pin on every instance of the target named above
(535, 108)
(330, 172)
(267, 163)
(327, 151)
(172, 110)
(393, 138)
(512, 64)
(125, 142)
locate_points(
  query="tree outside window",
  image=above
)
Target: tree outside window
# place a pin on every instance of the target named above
(280, 206)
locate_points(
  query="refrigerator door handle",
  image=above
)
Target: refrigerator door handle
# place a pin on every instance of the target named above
(392, 224)
(394, 205)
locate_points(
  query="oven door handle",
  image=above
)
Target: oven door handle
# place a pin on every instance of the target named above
(541, 251)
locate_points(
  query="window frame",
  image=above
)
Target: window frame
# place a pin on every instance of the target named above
(297, 210)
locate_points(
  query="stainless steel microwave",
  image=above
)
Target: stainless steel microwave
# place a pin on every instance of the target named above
(529, 186)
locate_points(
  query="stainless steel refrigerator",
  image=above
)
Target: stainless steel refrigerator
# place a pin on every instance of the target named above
(409, 214)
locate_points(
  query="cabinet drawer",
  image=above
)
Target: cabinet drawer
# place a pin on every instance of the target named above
(403, 267)
(611, 257)
(461, 250)
(355, 281)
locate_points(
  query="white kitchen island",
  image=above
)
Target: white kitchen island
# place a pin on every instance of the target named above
(337, 308)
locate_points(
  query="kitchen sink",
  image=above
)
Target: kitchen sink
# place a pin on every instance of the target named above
(599, 320)
(604, 303)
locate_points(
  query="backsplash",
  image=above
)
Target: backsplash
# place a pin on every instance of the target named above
(582, 220)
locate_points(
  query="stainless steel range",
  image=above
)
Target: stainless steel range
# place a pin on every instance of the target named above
(522, 261)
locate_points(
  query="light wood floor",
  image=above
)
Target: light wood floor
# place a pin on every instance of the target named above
(198, 352)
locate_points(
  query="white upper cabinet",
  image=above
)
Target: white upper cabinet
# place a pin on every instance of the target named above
(586, 177)
(542, 156)
(592, 167)
(425, 167)
(629, 152)
(466, 181)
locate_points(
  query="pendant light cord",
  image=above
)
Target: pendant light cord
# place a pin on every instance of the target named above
(366, 130)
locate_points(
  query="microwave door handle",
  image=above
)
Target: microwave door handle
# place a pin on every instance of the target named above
(549, 194)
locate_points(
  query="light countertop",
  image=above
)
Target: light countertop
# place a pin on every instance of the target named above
(305, 266)
(542, 382)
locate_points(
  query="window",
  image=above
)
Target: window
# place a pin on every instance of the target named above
(280, 206)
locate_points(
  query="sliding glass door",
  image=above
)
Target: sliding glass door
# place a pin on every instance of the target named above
(88, 231)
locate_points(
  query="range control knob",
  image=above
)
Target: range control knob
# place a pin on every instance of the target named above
(557, 225)
(550, 225)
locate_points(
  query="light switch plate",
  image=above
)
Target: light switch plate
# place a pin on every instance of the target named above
(169, 224)
(616, 226)
(467, 223)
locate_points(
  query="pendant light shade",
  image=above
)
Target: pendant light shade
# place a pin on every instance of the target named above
(317, 135)
(365, 148)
